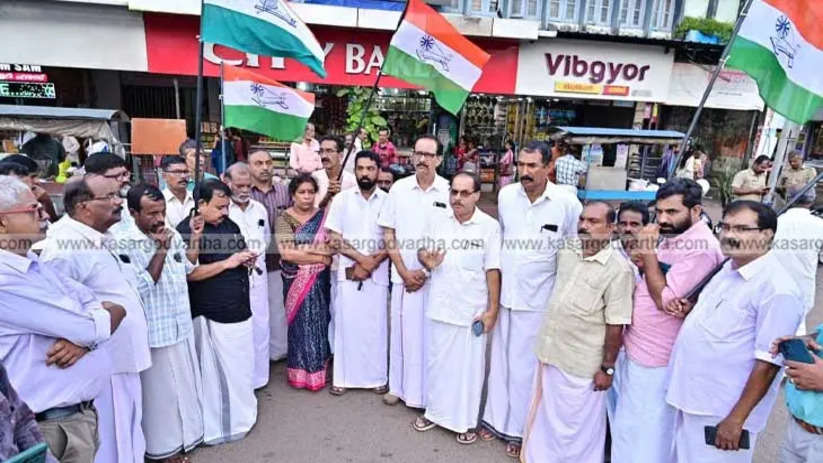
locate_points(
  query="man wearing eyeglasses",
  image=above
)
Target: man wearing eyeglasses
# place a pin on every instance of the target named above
(114, 168)
(82, 247)
(722, 374)
(179, 200)
(410, 205)
(51, 326)
(462, 250)
(328, 184)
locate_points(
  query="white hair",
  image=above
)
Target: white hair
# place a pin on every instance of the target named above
(11, 191)
(237, 168)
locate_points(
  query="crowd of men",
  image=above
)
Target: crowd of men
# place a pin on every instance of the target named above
(140, 324)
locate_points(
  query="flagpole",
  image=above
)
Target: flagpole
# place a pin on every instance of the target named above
(223, 119)
(198, 114)
(720, 65)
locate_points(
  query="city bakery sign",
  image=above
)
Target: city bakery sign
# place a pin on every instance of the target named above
(581, 69)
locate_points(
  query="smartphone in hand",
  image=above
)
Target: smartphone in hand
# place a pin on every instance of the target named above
(478, 327)
(795, 350)
(711, 436)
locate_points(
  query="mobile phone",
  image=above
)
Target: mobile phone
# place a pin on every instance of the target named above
(795, 350)
(478, 327)
(711, 435)
(349, 273)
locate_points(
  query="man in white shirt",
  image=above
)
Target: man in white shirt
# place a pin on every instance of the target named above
(411, 203)
(535, 216)
(361, 326)
(328, 185)
(748, 304)
(114, 168)
(50, 328)
(798, 243)
(462, 251)
(252, 218)
(81, 248)
(179, 200)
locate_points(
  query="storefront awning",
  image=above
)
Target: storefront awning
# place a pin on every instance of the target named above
(590, 135)
(75, 122)
(733, 89)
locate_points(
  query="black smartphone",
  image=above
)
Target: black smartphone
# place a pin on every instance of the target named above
(711, 435)
(478, 327)
(795, 350)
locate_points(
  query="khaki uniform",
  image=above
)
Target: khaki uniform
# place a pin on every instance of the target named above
(748, 180)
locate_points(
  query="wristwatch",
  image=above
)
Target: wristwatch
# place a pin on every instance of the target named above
(426, 272)
(608, 370)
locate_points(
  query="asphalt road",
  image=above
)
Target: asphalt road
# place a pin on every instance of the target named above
(304, 427)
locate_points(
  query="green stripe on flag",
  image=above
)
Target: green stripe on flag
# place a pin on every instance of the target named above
(278, 126)
(783, 95)
(252, 35)
(447, 94)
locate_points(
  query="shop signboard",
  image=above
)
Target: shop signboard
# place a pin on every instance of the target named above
(733, 89)
(352, 57)
(27, 90)
(22, 73)
(594, 70)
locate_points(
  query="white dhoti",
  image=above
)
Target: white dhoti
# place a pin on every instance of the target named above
(511, 372)
(119, 416)
(407, 353)
(690, 442)
(642, 426)
(226, 357)
(172, 400)
(567, 420)
(361, 335)
(259, 304)
(455, 374)
(332, 305)
(278, 335)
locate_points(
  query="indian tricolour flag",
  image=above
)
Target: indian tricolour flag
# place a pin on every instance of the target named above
(428, 51)
(780, 44)
(262, 27)
(262, 105)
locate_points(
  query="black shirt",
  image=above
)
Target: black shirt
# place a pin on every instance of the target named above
(223, 298)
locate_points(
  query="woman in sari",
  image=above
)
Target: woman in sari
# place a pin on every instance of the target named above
(507, 165)
(305, 260)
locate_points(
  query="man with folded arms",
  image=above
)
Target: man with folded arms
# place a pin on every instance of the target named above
(722, 376)
(577, 345)
(50, 328)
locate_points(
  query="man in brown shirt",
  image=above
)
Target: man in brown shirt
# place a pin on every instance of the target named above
(577, 345)
(750, 184)
(796, 175)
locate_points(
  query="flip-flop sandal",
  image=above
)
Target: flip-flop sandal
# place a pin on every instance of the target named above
(467, 438)
(486, 435)
(381, 390)
(334, 390)
(422, 424)
(513, 450)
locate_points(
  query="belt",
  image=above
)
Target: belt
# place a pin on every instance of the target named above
(810, 428)
(58, 413)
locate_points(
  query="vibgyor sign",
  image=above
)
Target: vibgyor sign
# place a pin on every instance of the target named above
(594, 70)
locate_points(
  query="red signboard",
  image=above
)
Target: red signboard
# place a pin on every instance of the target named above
(353, 56)
(23, 77)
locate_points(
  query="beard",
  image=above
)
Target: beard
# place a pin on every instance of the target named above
(124, 190)
(241, 199)
(365, 183)
(677, 228)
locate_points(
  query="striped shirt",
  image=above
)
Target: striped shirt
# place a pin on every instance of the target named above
(168, 313)
(276, 200)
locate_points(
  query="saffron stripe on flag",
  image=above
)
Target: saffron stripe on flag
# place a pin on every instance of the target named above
(434, 24)
(807, 15)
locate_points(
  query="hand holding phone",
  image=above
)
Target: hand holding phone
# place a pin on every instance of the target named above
(794, 349)
(710, 433)
(478, 328)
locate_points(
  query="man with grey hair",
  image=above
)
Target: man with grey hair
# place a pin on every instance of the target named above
(252, 218)
(798, 243)
(795, 175)
(50, 326)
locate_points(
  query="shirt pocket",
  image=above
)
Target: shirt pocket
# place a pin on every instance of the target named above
(725, 319)
(584, 298)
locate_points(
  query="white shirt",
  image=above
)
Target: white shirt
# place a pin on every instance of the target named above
(407, 210)
(177, 211)
(38, 307)
(738, 315)
(254, 226)
(797, 244)
(355, 218)
(348, 180)
(532, 233)
(459, 291)
(84, 254)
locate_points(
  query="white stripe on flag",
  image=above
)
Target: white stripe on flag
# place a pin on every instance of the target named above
(271, 97)
(424, 47)
(760, 27)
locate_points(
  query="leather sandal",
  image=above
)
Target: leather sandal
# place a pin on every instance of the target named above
(421, 424)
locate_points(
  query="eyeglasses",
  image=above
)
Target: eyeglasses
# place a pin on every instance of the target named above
(109, 197)
(422, 154)
(725, 228)
(461, 194)
(23, 210)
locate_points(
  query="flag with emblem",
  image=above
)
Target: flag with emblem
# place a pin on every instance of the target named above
(780, 44)
(262, 105)
(262, 27)
(426, 50)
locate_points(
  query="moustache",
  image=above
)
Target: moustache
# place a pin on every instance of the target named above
(731, 243)
(422, 164)
(527, 178)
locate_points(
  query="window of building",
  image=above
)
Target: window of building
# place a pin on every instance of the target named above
(599, 12)
(562, 10)
(631, 13)
(525, 9)
(663, 15)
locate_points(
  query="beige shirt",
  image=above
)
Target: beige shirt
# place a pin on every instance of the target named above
(796, 177)
(589, 293)
(748, 180)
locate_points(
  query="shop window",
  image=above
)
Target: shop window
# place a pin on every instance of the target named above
(599, 12)
(631, 13)
(562, 10)
(663, 15)
(525, 9)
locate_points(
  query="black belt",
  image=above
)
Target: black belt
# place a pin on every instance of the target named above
(58, 413)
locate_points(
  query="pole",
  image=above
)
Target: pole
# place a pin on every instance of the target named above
(787, 136)
(198, 115)
(176, 98)
(222, 120)
(720, 65)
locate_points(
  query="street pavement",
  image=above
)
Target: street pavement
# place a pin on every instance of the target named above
(304, 427)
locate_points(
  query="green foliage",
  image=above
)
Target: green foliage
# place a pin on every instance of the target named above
(707, 26)
(358, 97)
(722, 180)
